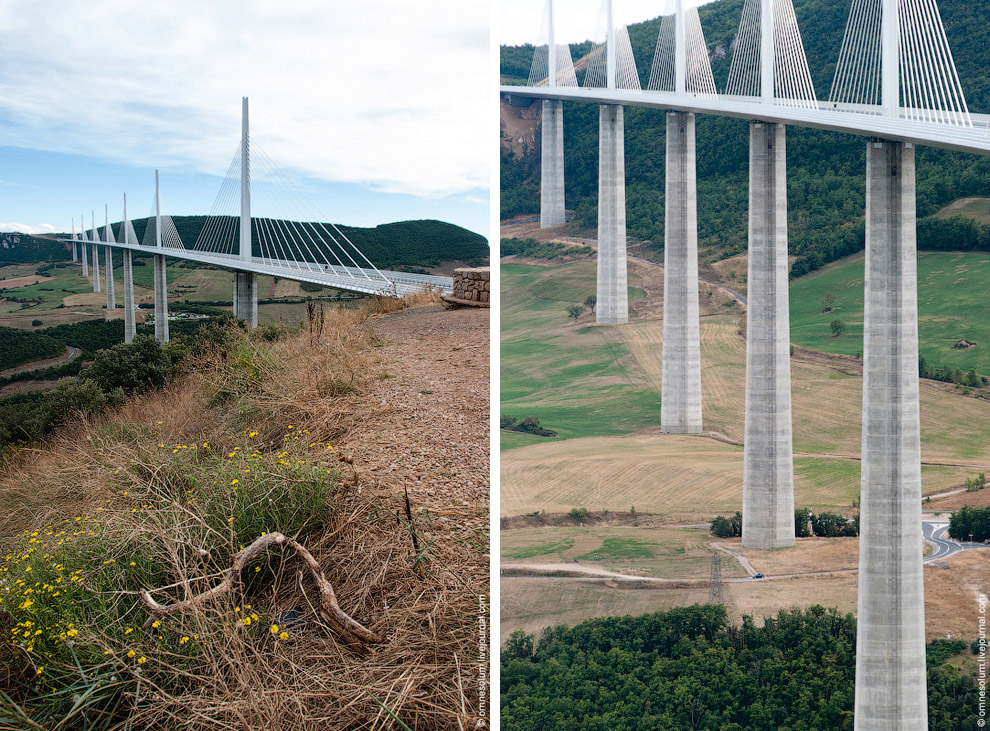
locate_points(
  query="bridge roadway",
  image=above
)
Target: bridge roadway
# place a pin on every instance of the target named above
(848, 118)
(348, 279)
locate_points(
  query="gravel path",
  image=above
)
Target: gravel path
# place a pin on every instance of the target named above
(430, 430)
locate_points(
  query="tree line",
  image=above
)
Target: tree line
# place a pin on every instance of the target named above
(688, 668)
(806, 525)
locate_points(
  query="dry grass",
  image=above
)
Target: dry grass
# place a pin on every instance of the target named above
(424, 604)
(807, 555)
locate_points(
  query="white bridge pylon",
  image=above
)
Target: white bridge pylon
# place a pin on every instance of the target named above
(895, 77)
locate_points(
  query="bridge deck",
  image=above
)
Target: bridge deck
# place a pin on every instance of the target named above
(347, 279)
(835, 118)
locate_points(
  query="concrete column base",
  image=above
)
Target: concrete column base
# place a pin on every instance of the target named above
(97, 285)
(768, 471)
(130, 326)
(246, 297)
(161, 300)
(552, 212)
(891, 685)
(680, 405)
(613, 293)
(111, 295)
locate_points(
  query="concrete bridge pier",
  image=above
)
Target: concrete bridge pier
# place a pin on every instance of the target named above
(97, 285)
(613, 295)
(130, 327)
(75, 252)
(111, 295)
(84, 255)
(768, 471)
(681, 369)
(246, 297)
(161, 300)
(552, 165)
(891, 688)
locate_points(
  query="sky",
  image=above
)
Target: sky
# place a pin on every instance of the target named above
(574, 20)
(376, 110)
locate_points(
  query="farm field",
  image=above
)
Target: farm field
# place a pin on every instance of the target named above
(952, 293)
(611, 456)
(670, 553)
(556, 363)
(67, 297)
(534, 602)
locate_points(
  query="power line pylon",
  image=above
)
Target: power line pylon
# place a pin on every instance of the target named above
(715, 589)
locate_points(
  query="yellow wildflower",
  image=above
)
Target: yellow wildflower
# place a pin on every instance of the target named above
(274, 629)
(283, 636)
(131, 653)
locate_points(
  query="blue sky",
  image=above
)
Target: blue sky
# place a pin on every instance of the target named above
(376, 110)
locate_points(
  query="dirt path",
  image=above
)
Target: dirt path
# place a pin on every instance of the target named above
(68, 356)
(428, 429)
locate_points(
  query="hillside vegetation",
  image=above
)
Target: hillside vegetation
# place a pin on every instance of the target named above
(826, 183)
(18, 347)
(232, 441)
(401, 245)
(689, 669)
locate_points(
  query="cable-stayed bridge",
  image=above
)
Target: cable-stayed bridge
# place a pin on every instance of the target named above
(895, 84)
(296, 247)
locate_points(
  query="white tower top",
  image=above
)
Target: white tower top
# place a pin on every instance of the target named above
(245, 244)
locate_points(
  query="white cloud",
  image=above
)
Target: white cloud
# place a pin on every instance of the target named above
(575, 20)
(388, 93)
(23, 228)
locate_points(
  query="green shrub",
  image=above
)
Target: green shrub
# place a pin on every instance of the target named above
(137, 367)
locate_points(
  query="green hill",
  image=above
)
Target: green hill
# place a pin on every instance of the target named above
(826, 183)
(403, 245)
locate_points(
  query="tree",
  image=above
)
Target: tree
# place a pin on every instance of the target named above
(828, 301)
(590, 303)
(72, 397)
(575, 311)
(519, 645)
(134, 368)
(838, 327)
(801, 527)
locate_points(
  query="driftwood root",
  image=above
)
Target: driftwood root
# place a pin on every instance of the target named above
(350, 630)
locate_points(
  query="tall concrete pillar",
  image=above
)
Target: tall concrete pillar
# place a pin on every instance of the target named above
(111, 295)
(891, 689)
(161, 300)
(768, 471)
(681, 369)
(552, 165)
(84, 255)
(130, 326)
(75, 249)
(613, 295)
(97, 285)
(246, 297)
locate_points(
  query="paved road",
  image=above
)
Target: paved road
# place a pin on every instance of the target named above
(68, 356)
(937, 535)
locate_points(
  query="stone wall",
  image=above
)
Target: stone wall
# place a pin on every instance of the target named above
(472, 285)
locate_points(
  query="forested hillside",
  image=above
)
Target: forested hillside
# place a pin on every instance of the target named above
(18, 347)
(826, 184)
(686, 668)
(402, 245)
(31, 249)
